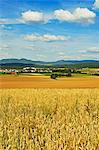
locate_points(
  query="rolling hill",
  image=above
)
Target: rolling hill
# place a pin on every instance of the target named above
(60, 63)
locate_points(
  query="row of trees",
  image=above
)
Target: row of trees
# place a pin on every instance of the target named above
(54, 76)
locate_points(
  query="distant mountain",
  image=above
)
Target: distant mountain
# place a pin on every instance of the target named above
(60, 62)
(20, 63)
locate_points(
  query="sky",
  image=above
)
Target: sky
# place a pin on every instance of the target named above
(49, 30)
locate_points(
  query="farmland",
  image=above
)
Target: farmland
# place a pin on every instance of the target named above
(46, 82)
(40, 113)
(49, 119)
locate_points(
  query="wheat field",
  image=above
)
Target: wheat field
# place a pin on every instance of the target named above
(49, 119)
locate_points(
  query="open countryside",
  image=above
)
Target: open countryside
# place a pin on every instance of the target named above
(49, 75)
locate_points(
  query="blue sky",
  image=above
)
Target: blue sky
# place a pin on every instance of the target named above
(49, 29)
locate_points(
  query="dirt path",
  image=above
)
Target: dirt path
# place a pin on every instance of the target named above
(46, 82)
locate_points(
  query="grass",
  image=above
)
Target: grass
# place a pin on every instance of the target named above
(49, 119)
(81, 75)
(2, 74)
(48, 74)
(30, 74)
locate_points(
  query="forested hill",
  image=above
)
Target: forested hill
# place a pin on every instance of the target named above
(19, 63)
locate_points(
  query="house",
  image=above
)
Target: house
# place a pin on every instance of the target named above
(8, 71)
(29, 69)
(35, 70)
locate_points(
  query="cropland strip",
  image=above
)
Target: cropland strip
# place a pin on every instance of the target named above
(49, 119)
(46, 82)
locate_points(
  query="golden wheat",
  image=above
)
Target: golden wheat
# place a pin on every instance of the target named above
(49, 119)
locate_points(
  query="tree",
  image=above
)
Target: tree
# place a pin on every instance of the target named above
(53, 76)
(69, 74)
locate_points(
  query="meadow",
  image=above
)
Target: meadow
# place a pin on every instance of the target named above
(49, 119)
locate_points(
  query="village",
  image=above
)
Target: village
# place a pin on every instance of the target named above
(25, 70)
(31, 70)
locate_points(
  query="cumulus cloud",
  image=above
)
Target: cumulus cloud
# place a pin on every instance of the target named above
(80, 15)
(32, 16)
(28, 17)
(96, 4)
(45, 37)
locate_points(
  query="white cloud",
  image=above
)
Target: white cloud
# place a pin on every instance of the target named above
(80, 15)
(28, 17)
(32, 16)
(31, 47)
(93, 50)
(61, 53)
(45, 37)
(67, 57)
(5, 55)
(41, 56)
(2, 21)
(4, 47)
(6, 21)
(96, 4)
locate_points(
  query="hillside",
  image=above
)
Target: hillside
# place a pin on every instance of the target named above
(61, 63)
